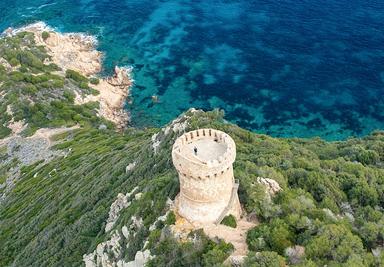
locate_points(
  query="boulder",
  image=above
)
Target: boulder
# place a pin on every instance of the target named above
(295, 254)
(121, 77)
(272, 187)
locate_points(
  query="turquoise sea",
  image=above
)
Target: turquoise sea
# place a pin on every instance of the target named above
(285, 68)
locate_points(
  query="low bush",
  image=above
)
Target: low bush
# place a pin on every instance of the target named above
(230, 221)
(76, 76)
(171, 218)
(45, 35)
(94, 80)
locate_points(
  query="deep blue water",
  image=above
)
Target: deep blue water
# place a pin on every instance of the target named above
(286, 68)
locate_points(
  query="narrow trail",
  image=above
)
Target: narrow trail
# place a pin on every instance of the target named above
(237, 236)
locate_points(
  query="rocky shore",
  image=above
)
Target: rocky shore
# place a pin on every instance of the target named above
(77, 51)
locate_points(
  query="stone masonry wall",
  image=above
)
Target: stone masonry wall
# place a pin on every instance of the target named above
(205, 187)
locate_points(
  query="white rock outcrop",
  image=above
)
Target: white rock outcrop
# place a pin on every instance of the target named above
(178, 125)
(120, 203)
(111, 252)
(100, 257)
(271, 186)
(140, 260)
(130, 167)
(121, 77)
(295, 254)
(236, 261)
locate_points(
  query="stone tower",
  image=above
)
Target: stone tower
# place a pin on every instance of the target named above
(208, 191)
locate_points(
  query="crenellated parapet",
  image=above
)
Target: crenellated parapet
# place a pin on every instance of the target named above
(197, 168)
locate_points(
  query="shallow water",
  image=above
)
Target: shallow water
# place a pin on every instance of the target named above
(286, 68)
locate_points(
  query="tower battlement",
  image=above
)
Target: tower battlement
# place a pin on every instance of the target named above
(203, 159)
(216, 152)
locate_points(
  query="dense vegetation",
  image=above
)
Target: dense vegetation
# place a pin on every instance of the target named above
(33, 90)
(332, 199)
(201, 252)
(331, 203)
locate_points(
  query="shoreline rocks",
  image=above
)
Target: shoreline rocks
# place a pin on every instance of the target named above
(77, 51)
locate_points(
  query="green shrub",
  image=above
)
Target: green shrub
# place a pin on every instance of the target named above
(16, 76)
(52, 67)
(94, 91)
(83, 85)
(264, 259)
(171, 218)
(14, 62)
(45, 35)
(77, 77)
(94, 80)
(58, 83)
(154, 237)
(69, 95)
(30, 89)
(27, 58)
(201, 252)
(4, 131)
(23, 69)
(230, 221)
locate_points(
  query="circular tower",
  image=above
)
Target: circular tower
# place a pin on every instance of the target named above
(208, 191)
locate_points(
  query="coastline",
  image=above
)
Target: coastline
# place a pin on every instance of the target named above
(77, 51)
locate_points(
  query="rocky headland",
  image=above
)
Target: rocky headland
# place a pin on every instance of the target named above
(77, 51)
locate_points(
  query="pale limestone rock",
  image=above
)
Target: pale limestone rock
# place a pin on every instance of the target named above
(120, 203)
(155, 143)
(295, 254)
(5, 63)
(130, 167)
(137, 222)
(110, 252)
(125, 231)
(99, 257)
(100, 249)
(102, 127)
(141, 259)
(330, 214)
(138, 196)
(169, 203)
(27, 151)
(159, 219)
(121, 77)
(349, 216)
(378, 251)
(178, 125)
(89, 260)
(236, 261)
(272, 187)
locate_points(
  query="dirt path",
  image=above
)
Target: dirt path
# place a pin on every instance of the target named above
(47, 133)
(236, 236)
